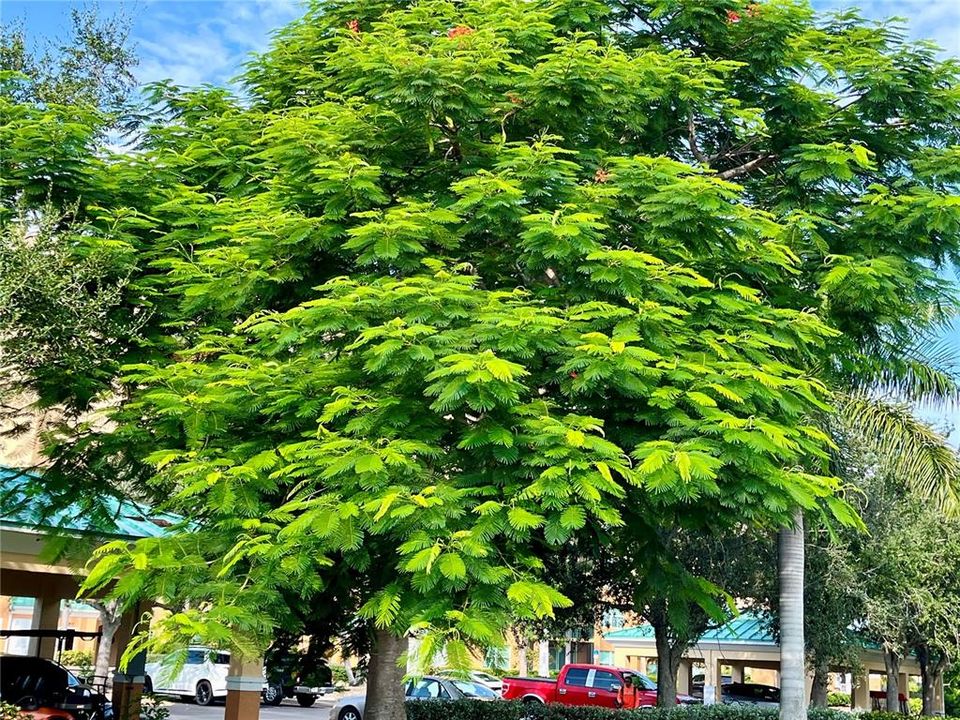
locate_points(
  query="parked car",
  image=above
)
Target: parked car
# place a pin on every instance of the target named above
(201, 678)
(292, 675)
(751, 694)
(429, 687)
(45, 690)
(480, 678)
(579, 684)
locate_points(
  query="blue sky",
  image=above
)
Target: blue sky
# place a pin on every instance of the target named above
(206, 41)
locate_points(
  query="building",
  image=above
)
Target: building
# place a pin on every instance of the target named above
(744, 650)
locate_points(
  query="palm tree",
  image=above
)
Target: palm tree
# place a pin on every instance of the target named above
(878, 407)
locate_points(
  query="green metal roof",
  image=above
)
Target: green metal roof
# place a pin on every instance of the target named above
(745, 629)
(22, 505)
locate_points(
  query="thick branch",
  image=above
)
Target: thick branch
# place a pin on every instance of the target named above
(746, 167)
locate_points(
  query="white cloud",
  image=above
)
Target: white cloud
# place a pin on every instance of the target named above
(195, 42)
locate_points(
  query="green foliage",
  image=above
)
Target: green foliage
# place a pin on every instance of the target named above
(838, 699)
(472, 710)
(466, 284)
(152, 708)
(80, 659)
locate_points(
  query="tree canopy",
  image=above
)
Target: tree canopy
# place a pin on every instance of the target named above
(454, 282)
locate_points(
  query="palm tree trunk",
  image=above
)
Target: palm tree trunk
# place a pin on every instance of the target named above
(792, 664)
(385, 696)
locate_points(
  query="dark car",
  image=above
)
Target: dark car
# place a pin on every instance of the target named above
(751, 694)
(41, 687)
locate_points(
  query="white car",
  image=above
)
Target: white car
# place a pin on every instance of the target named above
(202, 678)
(479, 678)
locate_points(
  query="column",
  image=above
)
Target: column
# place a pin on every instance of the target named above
(860, 697)
(49, 619)
(903, 687)
(939, 705)
(33, 644)
(684, 673)
(808, 685)
(543, 658)
(244, 684)
(642, 665)
(128, 689)
(413, 656)
(711, 678)
(736, 673)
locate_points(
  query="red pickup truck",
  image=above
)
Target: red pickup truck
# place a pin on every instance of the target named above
(586, 685)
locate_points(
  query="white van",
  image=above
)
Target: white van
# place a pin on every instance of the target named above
(202, 678)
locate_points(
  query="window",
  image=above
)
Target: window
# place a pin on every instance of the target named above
(222, 658)
(576, 677)
(639, 681)
(474, 690)
(427, 690)
(604, 657)
(604, 679)
(613, 619)
(196, 657)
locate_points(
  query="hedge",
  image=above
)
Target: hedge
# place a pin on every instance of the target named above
(473, 710)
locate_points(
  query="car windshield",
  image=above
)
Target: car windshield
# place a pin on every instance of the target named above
(473, 689)
(640, 681)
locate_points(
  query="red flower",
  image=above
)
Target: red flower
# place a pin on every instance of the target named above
(459, 31)
(353, 26)
(601, 176)
(733, 16)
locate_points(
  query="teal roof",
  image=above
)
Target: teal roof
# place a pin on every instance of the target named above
(22, 504)
(746, 629)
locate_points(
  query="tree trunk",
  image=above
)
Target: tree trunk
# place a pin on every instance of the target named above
(891, 660)
(385, 696)
(821, 678)
(348, 669)
(792, 664)
(109, 624)
(668, 661)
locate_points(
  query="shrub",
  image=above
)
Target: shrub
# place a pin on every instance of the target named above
(838, 699)
(151, 708)
(8, 711)
(472, 710)
(80, 659)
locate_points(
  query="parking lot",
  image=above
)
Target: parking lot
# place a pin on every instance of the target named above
(289, 710)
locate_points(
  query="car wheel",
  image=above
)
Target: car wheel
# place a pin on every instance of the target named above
(273, 694)
(349, 713)
(204, 694)
(304, 700)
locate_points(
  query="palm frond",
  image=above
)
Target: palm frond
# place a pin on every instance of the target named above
(905, 445)
(925, 373)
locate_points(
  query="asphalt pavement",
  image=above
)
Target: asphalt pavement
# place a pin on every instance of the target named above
(289, 710)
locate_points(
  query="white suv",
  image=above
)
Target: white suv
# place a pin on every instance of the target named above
(202, 678)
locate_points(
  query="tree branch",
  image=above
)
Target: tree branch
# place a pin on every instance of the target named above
(692, 140)
(746, 167)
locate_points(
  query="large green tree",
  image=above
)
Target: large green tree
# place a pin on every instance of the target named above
(461, 280)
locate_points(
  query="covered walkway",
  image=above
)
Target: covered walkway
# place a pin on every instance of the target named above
(744, 648)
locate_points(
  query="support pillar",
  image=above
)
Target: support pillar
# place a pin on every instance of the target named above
(244, 684)
(903, 685)
(684, 674)
(711, 678)
(860, 697)
(543, 658)
(414, 663)
(49, 619)
(128, 689)
(736, 673)
(642, 665)
(939, 704)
